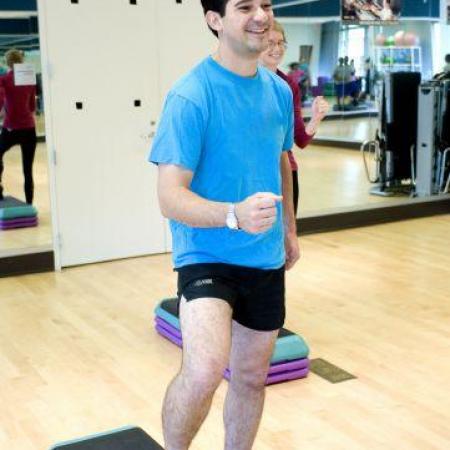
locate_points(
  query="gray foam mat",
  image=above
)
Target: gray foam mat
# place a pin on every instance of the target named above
(11, 202)
(126, 439)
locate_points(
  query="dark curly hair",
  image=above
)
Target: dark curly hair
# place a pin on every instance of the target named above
(217, 6)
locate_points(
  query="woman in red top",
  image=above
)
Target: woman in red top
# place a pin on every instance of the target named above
(271, 59)
(18, 124)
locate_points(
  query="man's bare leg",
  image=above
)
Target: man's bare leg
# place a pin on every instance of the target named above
(251, 352)
(206, 330)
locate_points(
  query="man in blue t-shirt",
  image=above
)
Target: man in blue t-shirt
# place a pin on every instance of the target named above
(225, 184)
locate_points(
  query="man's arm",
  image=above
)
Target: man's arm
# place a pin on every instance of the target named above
(290, 224)
(256, 214)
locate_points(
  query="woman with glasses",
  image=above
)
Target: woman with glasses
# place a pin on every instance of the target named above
(271, 59)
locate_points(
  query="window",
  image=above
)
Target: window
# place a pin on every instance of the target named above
(351, 44)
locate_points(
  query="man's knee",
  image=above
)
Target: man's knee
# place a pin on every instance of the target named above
(249, 378)
(205, 376)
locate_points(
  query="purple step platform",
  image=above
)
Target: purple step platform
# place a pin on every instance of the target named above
(281, 376)
(23, 222)
(284, 371)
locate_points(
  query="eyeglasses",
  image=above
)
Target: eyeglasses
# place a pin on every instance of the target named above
(281, 44)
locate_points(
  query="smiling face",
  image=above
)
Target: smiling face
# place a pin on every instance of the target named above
(273, 55)
(244, 28)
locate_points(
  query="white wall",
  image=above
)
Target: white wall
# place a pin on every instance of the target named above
(445, 39)
(442, 40)
(443, 34)
(303, 34)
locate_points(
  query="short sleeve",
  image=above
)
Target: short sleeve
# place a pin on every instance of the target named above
(289, 137)
(179, 138)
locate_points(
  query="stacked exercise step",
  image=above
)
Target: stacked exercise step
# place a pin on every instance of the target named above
(289, 359)
(16, 214)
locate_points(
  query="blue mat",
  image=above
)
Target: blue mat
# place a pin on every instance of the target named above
(12, 208)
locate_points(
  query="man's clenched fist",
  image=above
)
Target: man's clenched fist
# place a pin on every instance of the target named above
(257, 213)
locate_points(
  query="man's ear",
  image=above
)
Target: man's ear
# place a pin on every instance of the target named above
(214, 20)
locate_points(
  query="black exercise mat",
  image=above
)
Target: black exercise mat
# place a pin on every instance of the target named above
(128, 439)
(329, 372)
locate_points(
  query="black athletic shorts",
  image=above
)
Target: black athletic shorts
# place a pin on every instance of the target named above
(256, 295)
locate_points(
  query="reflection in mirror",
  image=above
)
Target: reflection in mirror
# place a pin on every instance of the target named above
(25, 224)
(347, 65)
(333, 178)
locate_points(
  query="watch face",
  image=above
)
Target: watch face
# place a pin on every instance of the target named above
(232, 221)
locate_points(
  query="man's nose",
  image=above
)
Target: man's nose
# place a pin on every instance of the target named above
(262, 16)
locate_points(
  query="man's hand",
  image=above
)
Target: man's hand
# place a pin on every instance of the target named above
(292, 250)
(257, 213)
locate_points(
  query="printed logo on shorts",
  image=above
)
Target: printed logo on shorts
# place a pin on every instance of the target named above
(204, 282)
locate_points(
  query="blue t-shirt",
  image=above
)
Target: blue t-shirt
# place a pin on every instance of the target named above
(229, 131)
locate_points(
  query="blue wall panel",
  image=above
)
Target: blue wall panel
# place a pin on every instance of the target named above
(319, 8)
(18, 5)
(19, 26)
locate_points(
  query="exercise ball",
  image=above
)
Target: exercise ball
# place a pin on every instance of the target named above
(399, 38)
(380, 39)
(390, 41)
(410, 39)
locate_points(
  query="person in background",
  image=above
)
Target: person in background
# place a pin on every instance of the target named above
(348, 70)
(271, 59)
(339, 75)
(19, 103)
(305, 81)
(349, 10)
(295, 74)
(446, 67)
(352, 69)
(368, 77)
(389, 10)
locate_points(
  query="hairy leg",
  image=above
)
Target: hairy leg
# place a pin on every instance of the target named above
(206, 330)
(251, 352)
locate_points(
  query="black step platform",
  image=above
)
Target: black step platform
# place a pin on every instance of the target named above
(129, 438)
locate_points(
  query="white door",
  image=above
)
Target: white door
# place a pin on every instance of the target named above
(184, 39)
(101, 65)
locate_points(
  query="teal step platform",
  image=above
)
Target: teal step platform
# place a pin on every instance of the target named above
(12, 208)
(289, 346)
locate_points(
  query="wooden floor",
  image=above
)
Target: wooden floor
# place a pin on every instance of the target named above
(332, 180)
(359, 129)
(78, 354)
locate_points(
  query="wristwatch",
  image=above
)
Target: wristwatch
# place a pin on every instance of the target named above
(231, 220)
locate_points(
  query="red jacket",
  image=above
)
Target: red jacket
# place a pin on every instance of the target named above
(301, 137)
(19, 103)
